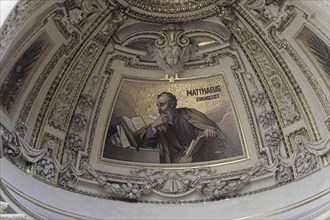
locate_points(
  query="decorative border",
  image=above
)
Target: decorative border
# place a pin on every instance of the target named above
(27, 61)
(17, 21)
(64, 68)
(157, 6)
(303, 67)
(236, 67)
(236, 159)
(285, 68)
(67, 98)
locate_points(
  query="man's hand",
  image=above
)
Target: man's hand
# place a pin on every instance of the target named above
(161, 120)
(209, 133)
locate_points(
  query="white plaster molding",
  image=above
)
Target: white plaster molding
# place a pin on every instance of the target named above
(324, 5)
(291, 201)
(3, 207)
(13, 217)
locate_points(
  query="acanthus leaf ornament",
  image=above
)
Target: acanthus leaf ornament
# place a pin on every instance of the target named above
(166, 183)
(14, 147)
(127, 190)
(220, 188)
(303, 157)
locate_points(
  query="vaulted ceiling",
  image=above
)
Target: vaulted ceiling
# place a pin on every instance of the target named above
(73, 71)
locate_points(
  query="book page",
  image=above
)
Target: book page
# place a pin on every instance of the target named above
(195, 145)
(123, 138)
(128, 122)
(138, 122)
(129, 129)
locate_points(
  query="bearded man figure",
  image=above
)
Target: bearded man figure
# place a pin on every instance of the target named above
(175, 128)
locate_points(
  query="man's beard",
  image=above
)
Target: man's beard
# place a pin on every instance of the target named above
(170, 113)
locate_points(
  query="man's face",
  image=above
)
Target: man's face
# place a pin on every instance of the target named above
(163, 104)
(164, 107)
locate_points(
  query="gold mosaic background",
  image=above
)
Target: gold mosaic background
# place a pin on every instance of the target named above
(145, 93)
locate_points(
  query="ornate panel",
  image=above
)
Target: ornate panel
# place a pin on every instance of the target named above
(207, 94)
(317, 50)
(41, 80)
(20, 72)
(60, 115)
(234, 92)
(113, 13)
(285, 44)
(171, 12)
(45, 168)
(16, 19)
(289, 76)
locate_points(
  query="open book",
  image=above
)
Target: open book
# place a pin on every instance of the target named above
(195, 145)
(127, 128)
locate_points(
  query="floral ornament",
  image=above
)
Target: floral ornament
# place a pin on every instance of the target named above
(127, 190)
(259, 98)
(222, 188)
(266, 118)
(305, 161)
(85, 101)
(276, 82)
(73, 143)
(78, 122)
(267, 67)
(255, 48)
(283, 174)
(58, 114)
(134, 191)
(273, 138)
(217, 188)
(10, 144)
(74, 17)
(45, 167)
(289, 109)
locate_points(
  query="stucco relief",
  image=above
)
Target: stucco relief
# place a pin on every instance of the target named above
(19, 72)
(283, 43)
(284, 67)
(16, 19)
(268, 122)
(269, 12)
(76, 16)
(45, 167)
(172, 52)
(78, 112)
(64, 49)
(172, 48)
(77, 137)
(168, 183)
(283, 98)
(116, 19)
(58, 118)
